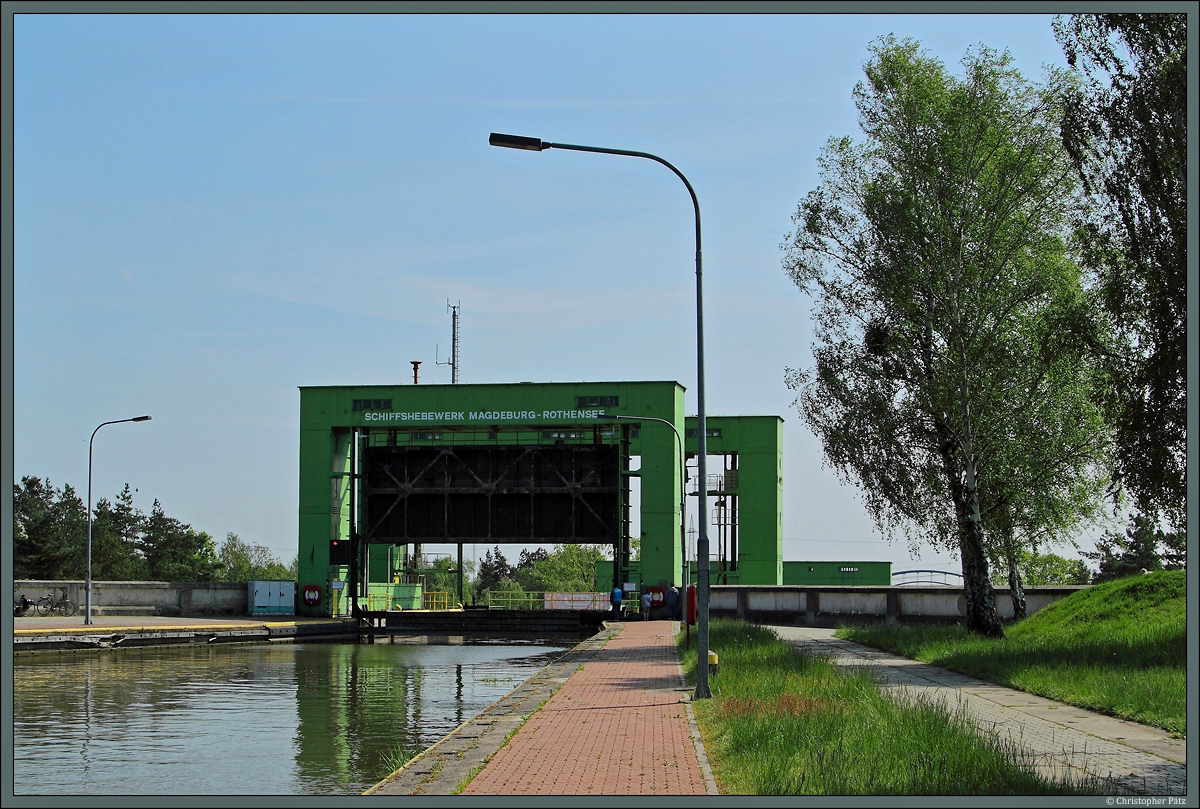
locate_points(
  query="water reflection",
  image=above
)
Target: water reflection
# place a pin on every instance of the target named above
(313, 719)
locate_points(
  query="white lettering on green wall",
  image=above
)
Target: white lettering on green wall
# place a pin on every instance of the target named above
(487, 416)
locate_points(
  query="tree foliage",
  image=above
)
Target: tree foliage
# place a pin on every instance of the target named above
(1125, 129)
(117, 529)
(238, 561)
(495, 574)
(447, 581)
(1145, 546)
(175, 552)
(565, 569)
(526, 562)
(946, 383)
(50, 530)
(1047, 569)
(568, 569)
(1048, 475)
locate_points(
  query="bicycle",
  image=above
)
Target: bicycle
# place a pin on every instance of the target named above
(63, 606)
(22, 606)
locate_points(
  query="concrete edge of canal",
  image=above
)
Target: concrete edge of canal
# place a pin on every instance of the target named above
(459, 755)
(174, 633)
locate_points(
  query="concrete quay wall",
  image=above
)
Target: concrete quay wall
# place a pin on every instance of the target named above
(831, 605)
(145, 597)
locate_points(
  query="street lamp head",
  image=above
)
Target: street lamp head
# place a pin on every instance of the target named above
(517, 142)
(140, 418)
(612, 416)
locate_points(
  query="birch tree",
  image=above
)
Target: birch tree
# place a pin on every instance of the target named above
(937, 253)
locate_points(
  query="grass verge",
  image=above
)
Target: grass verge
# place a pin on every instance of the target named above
(1117, 648)
(467, 779)
(784, 723)
(396, 758)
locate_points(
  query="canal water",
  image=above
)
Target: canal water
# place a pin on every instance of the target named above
(299, 719)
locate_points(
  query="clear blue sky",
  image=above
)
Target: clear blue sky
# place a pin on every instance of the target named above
(213, 210)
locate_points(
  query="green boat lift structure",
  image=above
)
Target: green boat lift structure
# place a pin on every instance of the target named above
(386, 470)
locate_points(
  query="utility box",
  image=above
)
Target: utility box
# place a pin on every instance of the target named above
(287, 598)
(270, 597)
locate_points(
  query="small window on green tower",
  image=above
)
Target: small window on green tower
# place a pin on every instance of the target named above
(371, 404)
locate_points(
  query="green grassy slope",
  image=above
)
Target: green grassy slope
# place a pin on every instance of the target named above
(1118, 648)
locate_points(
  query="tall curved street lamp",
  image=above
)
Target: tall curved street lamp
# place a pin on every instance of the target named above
(87, 593)
(536, 145)
(682, 483)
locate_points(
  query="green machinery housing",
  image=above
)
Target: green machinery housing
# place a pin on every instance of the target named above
(386, 470)
(818, 574)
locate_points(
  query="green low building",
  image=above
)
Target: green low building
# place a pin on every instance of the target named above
(820, 574)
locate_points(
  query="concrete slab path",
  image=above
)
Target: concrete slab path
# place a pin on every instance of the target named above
(1063, 739)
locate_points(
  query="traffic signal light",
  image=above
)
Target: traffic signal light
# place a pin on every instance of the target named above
(339, 551)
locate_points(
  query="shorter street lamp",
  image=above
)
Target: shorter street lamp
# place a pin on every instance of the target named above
(87, 593)
(682, 485)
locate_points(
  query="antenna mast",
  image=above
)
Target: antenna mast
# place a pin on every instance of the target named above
(453, 361)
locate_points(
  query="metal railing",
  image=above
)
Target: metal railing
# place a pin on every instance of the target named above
(428, 561)
(436, 601)
(541, 601)
(385, 602)
(933, 577)
(379, 603)
(513, 601)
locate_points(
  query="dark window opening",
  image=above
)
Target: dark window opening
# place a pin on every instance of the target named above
(372, 404)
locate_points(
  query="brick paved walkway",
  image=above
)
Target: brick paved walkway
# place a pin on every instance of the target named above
(618, 726)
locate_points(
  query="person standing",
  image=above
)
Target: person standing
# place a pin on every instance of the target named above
(615, 599)
(646, 598)
(673, 603)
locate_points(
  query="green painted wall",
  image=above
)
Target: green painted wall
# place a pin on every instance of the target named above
(604, 577)
(848, 573)
(758, 443)
(387, 596)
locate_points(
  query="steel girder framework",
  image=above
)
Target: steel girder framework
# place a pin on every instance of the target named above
(562, 493)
